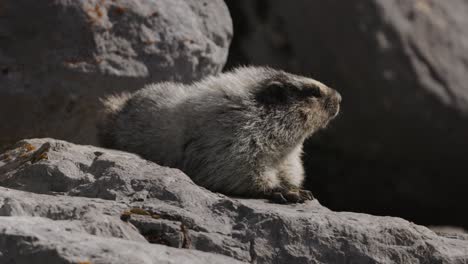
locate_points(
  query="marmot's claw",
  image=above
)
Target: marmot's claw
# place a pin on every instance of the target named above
(278, 197)
(295, 196)
(306, 195)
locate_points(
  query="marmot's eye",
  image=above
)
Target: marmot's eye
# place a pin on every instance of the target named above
(313, 92)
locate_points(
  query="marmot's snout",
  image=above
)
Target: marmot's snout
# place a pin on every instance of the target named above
(332, 103)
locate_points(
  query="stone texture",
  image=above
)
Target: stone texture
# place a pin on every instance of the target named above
(400, 143)
(58, 57)
(40, 240)
(110, 203)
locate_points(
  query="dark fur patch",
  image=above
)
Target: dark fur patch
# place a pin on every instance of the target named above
(278, 90)
(273, 94)
(312, 91)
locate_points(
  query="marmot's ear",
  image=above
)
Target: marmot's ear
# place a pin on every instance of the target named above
(272, 94)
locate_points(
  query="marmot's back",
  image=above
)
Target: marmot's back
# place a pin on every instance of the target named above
(238, 133)
(147, 122)
(106, 125)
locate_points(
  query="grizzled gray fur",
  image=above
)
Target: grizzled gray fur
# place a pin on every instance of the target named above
(239, 133)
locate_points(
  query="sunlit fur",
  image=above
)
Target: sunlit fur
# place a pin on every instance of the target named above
(238, 133)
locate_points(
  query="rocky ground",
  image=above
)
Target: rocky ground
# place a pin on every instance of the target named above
(67, 203)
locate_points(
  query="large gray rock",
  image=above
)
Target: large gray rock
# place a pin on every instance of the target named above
(40, 240)
(58, 57)
(91, 196)
(401, 67)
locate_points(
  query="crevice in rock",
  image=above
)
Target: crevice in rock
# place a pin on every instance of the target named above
(186, 242)
(253, 255)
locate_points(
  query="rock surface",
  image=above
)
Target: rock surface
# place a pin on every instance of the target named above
(41, 240)
(58, 57)
(401, 67)
(82, 203)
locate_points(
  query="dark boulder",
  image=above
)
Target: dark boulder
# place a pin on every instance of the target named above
(400, 145)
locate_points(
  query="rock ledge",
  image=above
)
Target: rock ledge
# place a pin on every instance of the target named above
(67, 203)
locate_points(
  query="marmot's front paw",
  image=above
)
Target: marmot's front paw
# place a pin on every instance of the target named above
(292, 196)
(306, 195)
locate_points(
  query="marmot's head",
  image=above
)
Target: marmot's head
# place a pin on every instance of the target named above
(298, 102)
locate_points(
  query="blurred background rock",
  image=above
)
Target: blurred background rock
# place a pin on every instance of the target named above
(58, 57)
(400, 146)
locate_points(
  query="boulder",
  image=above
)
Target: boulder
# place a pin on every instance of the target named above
(400, 144)
(58, 57)
(41, 240)
(69, 203)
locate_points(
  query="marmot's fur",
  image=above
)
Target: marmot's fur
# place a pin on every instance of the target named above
(238, 133)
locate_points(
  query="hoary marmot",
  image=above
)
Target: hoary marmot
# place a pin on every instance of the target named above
(238, 133)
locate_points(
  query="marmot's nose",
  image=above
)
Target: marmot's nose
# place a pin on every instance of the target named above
(332, 103)
(337, 96)
(333, 96)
